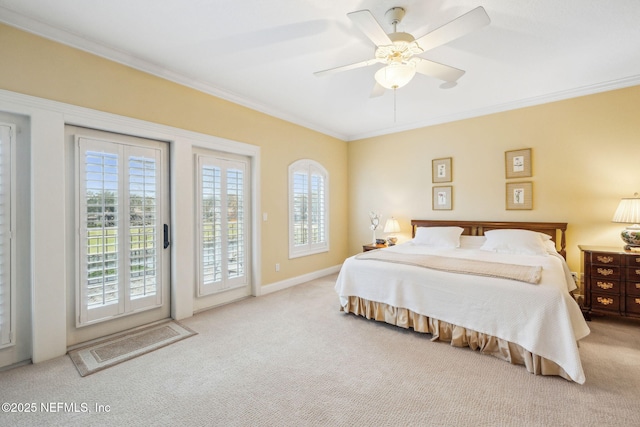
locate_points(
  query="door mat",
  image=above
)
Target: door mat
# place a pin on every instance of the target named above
(112, 351)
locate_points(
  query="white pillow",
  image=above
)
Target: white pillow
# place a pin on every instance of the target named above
(543, 236)
(550, 246)
(444, 237)
(508, 241)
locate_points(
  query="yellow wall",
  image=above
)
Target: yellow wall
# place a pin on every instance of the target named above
(585, 153)
(35, 66)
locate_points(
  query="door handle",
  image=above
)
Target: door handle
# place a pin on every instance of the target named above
(166, 236)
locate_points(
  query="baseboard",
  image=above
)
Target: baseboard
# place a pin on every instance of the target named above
(16, 365)
(294, 281)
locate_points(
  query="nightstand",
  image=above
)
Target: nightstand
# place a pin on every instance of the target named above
(611, 281)
(370, 247)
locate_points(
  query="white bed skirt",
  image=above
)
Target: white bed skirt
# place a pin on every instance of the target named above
(458, 336)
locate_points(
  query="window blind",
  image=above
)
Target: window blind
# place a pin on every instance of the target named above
(308, 208)
(222, 224)
(120, 229)
(6, 286)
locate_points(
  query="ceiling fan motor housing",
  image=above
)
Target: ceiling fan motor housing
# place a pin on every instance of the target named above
(401, 37)
(401, 50)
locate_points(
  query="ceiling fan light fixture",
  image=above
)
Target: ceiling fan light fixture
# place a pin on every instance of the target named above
(395, 75)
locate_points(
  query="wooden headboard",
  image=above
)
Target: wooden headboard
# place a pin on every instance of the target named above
(478, 228)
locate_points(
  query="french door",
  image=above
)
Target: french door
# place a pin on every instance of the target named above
(15, 267)
(7, 245)
(122, 222)
(223, 224)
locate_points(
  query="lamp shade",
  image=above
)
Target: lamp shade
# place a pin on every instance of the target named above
(628, 211)
(395, 75)
(391, 226)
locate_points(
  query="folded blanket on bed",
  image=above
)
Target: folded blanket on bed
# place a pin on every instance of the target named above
(522, 273)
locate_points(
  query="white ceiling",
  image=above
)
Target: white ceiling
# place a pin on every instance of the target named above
(262, 54)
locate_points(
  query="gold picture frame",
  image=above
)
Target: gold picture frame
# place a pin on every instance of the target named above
(442, 198)
(519, 195)
(441, 170)
(518, 163)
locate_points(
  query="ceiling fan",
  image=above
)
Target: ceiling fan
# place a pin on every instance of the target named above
(399, 50)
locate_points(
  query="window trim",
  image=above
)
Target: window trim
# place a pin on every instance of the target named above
(311, 167)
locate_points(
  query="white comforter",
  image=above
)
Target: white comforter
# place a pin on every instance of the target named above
(542, 318)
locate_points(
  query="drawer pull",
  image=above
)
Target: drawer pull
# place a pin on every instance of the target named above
(605, 271)
(637, 260)
(637, 285)
(606, 301)
(637, 300)
(604, 259)
(604, 285)
(638, 272)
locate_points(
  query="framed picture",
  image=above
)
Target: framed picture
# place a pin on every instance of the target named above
(441, 170)
(518, 163)
(519, 195)
(442, 198)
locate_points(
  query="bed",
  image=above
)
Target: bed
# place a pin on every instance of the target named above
(502, 288)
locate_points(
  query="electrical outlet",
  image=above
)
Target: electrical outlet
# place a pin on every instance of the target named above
(277, 267)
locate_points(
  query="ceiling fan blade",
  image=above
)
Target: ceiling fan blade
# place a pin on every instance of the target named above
(378, 90)
(462, 25)
(365, 21)
(437, 70)
(346, 67)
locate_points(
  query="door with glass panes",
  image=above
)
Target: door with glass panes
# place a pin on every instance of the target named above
(122, 223)
(223, 226)
(15, 333)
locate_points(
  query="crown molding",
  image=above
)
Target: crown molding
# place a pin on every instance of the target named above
(523, 103)
(76, 41)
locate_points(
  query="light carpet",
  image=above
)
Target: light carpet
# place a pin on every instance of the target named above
(291, 358)
(109, 352)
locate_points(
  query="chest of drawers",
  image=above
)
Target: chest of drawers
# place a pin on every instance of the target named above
(611, 281)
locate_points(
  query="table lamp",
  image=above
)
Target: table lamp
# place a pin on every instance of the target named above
(392, 226)
(628, 212)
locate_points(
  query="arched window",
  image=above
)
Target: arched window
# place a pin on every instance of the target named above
(308, 208)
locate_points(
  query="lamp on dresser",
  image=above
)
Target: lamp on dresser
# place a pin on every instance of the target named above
(628, 212)
(392, 226)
